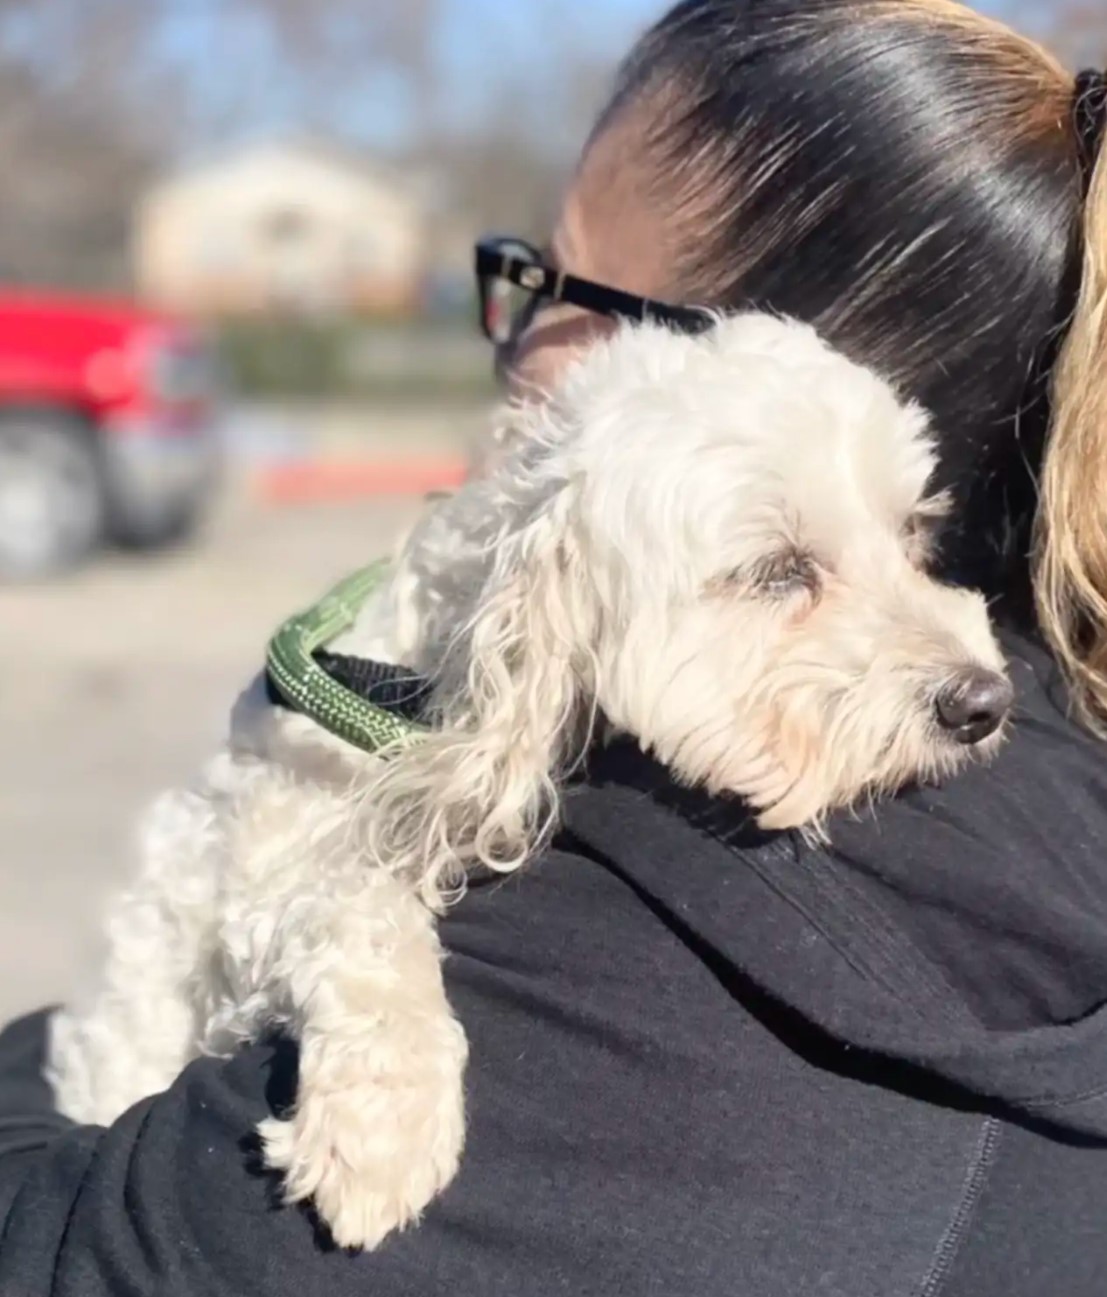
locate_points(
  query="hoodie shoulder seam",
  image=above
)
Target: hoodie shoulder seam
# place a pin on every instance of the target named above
(949, 1248)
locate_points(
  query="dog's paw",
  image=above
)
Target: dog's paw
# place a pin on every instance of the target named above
(368, 1163)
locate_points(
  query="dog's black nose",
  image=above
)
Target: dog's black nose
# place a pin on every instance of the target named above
(974, 705)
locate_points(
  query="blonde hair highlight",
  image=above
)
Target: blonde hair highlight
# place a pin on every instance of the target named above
(1071, 549)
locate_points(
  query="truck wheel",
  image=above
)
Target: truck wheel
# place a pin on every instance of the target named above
(52, 499)
(158, 534)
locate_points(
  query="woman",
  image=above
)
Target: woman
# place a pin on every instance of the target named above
(704, 1061)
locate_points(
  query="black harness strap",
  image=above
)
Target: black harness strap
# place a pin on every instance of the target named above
(395, 689)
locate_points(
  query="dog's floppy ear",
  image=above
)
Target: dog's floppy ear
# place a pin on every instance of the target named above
(530, 666)
(515, 696)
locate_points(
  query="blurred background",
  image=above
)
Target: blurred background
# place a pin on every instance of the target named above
(237, 348)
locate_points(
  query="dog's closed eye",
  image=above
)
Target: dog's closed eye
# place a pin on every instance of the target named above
(783, 574)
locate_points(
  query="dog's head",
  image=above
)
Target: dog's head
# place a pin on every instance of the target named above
(753, 512)
(721, 545)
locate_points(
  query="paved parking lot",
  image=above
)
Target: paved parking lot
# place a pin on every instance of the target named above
(114, 684)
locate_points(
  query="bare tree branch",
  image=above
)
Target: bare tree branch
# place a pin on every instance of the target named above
(74, 135)
(90, 103)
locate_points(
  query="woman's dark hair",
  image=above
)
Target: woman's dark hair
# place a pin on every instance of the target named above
(907, 175)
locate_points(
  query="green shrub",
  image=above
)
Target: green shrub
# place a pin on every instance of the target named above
(347, 359)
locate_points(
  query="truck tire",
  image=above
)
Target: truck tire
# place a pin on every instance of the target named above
(52, 499)
(175, 527)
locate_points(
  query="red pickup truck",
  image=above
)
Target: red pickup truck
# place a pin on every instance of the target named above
(107, 428)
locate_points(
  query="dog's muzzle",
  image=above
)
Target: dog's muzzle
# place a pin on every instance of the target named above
(973, 705)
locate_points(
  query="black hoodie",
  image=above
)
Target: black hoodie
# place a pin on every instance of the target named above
(706, 1062)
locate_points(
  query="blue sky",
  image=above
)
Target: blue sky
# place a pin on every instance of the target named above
(234, 65)
(479, 44)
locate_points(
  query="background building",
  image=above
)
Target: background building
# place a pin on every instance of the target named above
(285, 227)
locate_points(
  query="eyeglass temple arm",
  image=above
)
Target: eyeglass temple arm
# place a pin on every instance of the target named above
(598, 298)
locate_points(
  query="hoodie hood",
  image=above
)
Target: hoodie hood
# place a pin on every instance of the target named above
(956, 933)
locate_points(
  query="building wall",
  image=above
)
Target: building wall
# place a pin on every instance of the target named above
(280, 229)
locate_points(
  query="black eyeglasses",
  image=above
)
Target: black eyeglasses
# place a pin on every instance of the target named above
(513, 281)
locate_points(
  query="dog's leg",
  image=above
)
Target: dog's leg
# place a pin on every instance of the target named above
(378, 1125)
(132, 1035)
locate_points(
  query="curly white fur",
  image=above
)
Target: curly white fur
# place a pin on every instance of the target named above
(714, 545)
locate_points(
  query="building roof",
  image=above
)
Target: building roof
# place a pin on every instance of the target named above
(220, 166)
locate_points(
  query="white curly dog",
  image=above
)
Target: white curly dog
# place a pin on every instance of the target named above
(717, 545)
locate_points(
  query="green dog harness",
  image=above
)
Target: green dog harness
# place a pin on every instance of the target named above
(368, 704)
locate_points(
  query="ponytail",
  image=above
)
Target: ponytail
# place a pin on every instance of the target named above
(1071, 549)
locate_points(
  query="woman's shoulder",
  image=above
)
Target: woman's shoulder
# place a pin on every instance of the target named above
(1044, 731)
(998, 877)
(1041, 799)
